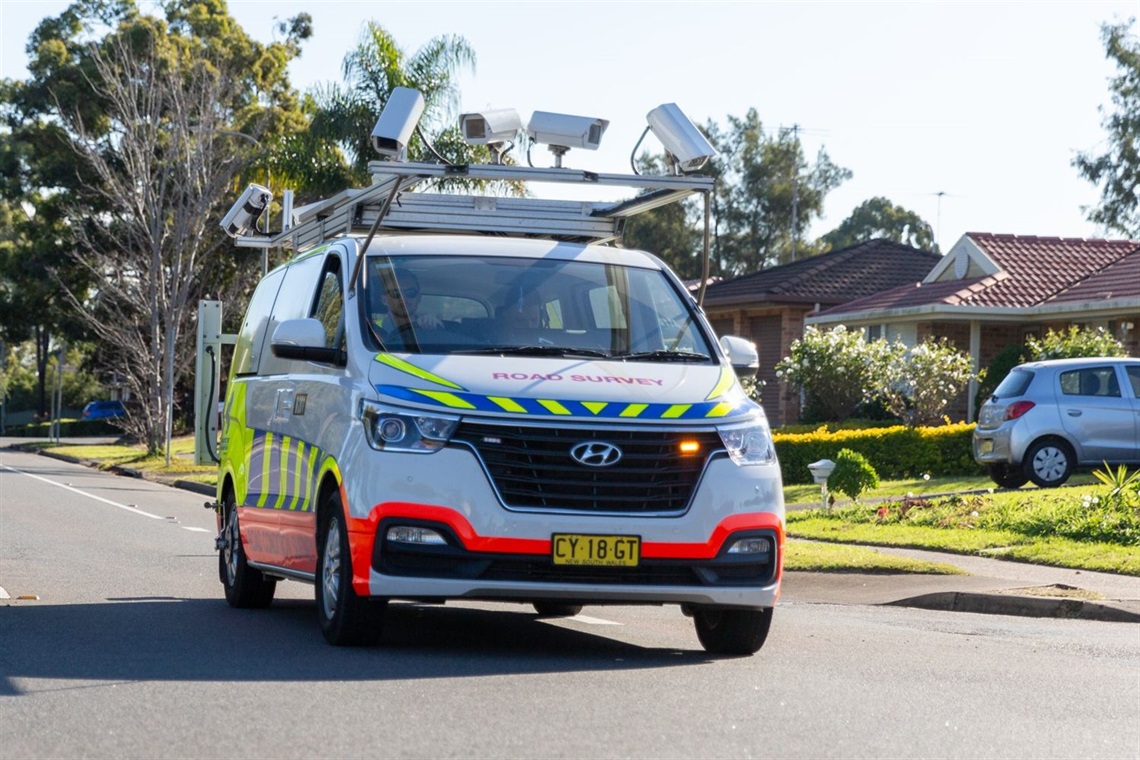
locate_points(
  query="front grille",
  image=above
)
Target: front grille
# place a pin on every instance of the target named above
(531, 467)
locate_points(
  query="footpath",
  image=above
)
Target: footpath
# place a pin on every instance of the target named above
(988, 586)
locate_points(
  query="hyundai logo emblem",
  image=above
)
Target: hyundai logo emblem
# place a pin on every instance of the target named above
(595, 453)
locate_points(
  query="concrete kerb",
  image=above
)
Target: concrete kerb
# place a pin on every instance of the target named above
(979, 593)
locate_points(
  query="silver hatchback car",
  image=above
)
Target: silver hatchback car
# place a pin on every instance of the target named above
(1047, 418)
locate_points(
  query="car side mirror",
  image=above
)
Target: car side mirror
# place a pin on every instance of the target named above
(304, 340)
(742, 355)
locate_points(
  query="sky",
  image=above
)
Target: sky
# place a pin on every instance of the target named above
(968, 113)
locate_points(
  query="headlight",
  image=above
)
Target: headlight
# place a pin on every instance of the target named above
(389, 429)
(750, 443)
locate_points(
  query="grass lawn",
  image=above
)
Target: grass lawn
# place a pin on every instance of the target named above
(1076, 527)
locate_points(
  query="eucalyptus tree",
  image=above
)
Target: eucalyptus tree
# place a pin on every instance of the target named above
(767, 195)
(142, 112)
(879, 218)
(1117, 171)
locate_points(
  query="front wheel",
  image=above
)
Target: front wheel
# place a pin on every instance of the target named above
(346, 619)
(1049, 463)
(735, 632)
(1008, 476)
(245, 586)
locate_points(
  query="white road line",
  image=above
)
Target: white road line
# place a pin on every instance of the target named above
(196, 530)
(135, 510)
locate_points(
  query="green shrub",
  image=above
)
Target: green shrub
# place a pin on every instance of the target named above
(852, 475)
(898, 451)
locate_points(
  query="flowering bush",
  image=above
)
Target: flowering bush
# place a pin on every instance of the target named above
(925, 380)
(836, 370)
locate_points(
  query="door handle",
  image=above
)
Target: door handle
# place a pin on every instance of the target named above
(1074, 412)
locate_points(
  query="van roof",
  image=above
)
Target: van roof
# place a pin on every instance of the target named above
(476, 245)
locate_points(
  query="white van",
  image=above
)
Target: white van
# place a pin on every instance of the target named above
(460, 416)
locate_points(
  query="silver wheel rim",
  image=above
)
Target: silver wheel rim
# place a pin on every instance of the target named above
(330, 570)
(1049, 463)
(232, 539)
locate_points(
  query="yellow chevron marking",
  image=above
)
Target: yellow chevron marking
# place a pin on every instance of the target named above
(675, 411)
(448, 399)
(397, 363)
(727, 378)
(595, 406)
(553, 406)
(508, 404)
(634, 409)
(720, 410)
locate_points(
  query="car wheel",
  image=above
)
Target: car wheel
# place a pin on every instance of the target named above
(554, 609)
(732, 631)
(1008, 476)
(346, 619)
(1049, 462)
(245, 586)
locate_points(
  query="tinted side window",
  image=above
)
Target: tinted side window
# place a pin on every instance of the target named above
(1014, 384)
(1134, 379)
(329, 308)
(248, 348)
(1094, 381)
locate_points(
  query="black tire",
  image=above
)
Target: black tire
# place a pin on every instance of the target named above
(246, 588)
(1048, 462)
(1008, 476)
(346, 619)
(554, 609)
(735, 632)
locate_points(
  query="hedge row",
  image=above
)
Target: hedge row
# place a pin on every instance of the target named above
(67, 429)
(896, 452)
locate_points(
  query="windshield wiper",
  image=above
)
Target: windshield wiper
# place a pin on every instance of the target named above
(533, 351)
(662, 355)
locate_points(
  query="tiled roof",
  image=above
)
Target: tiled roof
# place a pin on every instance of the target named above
(1041, 268)
(1032, 271)
(830, 278)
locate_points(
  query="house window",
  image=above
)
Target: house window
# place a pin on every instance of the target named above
(872, 332)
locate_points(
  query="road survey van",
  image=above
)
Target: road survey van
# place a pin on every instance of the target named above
(471, 397)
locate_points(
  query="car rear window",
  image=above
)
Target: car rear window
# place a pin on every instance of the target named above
(1014, 384)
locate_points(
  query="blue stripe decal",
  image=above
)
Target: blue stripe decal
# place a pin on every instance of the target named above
(256, 463)
(609, 411)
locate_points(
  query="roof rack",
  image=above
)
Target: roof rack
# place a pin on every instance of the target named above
(390, 202)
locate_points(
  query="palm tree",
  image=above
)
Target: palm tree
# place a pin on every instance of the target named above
(344, 114)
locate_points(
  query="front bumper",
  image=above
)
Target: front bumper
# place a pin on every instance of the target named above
(470, 567)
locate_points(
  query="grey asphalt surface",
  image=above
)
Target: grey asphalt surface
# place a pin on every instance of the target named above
(990, 586)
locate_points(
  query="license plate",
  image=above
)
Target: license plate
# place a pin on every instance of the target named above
(986, 446)
(604, 551)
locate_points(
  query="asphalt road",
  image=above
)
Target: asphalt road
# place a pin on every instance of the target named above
(131, 651)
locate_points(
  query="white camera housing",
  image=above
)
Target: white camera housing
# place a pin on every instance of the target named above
(566, 131)
(688, 149)
(241, 219)
(491, 127)
(397, 122)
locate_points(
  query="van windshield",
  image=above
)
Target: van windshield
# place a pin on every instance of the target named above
(493, 305)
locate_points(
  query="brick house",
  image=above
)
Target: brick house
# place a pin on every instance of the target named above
(991, 291)
(769, 307)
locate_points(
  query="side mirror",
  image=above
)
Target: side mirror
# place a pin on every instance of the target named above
(741, 354)
(304, 339)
